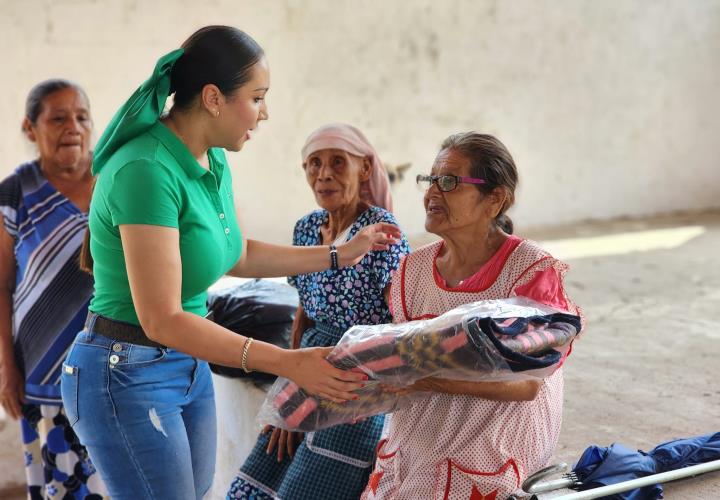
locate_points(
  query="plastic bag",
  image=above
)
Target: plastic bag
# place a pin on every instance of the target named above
(261, 309)
(491, 340)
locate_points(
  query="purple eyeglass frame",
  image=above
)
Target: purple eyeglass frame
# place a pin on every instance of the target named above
(458, 180)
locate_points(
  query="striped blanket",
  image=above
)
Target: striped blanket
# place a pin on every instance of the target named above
(519, 339)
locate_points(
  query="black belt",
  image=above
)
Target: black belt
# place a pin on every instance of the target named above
(119, 330)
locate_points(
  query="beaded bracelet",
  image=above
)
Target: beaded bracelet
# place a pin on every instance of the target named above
(246, 348)
(333, 257)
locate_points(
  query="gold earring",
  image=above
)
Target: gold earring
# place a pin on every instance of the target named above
(217, 113)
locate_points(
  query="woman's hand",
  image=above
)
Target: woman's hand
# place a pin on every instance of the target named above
(12, 389)
(309, 369)
(286, 441)
(374, 237)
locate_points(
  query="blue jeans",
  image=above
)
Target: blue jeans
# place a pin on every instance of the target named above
(146, 416)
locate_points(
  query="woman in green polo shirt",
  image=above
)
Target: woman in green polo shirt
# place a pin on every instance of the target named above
(136, 384)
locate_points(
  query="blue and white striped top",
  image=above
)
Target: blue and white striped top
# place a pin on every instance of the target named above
(51, 293)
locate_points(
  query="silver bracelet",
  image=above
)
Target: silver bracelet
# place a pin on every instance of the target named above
(246, 348)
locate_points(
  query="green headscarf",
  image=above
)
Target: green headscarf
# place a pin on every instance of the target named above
(139, 113)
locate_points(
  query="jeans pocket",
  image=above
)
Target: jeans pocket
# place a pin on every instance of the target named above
(69, 391)
(128, 356)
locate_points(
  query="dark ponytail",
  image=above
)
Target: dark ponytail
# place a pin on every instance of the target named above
(218, 55)
(490, 160)
(86, 260)
(505, 223)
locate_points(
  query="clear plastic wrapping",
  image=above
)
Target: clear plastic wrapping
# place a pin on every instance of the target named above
(490, 340)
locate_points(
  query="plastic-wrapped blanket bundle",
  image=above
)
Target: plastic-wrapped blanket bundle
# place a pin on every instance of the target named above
(491, 340)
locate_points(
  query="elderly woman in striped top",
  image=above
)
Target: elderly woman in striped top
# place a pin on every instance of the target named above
(43, 293)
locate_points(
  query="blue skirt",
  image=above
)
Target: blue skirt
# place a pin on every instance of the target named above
(332, 463)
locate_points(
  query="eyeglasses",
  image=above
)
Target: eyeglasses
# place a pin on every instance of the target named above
(446, 183)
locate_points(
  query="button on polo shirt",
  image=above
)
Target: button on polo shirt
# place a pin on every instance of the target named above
(155, 180)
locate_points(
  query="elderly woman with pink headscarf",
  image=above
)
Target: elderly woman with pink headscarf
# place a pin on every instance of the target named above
(351, 187)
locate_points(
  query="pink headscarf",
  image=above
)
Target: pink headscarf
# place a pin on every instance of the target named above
(376, 190)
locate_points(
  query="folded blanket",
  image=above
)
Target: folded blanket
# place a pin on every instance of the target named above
(525, 339)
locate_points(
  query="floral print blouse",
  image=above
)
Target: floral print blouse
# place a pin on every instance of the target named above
(351, 295)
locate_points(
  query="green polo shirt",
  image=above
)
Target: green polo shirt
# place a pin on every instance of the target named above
(154, 179)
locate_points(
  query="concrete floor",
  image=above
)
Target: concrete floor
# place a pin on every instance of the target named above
(646, 370)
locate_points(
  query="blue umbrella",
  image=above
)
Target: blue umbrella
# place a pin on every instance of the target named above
(602, 466)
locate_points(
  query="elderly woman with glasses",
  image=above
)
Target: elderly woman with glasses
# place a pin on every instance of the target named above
(351, 187)
(470, 439)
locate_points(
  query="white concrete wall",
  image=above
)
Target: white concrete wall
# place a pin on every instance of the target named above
(610, 108)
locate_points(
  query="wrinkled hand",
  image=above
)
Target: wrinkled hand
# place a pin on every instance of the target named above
(309, 369)
(12, 390)
(286, 441)
(374, 237)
